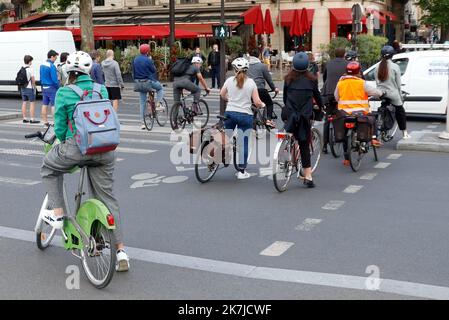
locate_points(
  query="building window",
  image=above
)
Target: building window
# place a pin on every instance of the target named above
(143, 3)
(188, 1)
(99, 3)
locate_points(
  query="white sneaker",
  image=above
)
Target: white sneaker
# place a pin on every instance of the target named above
(406, 136)
(56, 222)
(159, 107)
(243, 175)
(122, 261)
(142, 127)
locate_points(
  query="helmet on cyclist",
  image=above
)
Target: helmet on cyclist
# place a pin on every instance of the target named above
(387, 52)
(197, 60)
(300, 61)
(79, 61)
(144, 48)
(353, 68)
(240, 64)
(351, 55)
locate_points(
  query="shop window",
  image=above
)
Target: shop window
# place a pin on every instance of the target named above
(146, 3)
(188, 1)
(99, 3)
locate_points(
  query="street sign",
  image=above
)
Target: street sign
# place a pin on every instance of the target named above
(357, 15)
(221, 32)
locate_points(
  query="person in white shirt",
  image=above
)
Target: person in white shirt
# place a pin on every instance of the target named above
(240, 92)
(28, 92)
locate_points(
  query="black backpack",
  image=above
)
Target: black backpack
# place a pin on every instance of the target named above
(180, 67)
(22, 78)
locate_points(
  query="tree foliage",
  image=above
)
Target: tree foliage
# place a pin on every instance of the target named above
(436, 13)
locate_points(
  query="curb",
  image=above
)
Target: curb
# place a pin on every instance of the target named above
(9, 116)
(428, 142)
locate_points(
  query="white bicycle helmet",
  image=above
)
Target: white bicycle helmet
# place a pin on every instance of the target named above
(197, 60)
(240, 64)
(79, 61)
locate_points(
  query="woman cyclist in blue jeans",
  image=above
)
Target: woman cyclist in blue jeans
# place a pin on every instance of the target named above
(240, 92)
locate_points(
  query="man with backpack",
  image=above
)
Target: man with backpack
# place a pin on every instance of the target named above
(184, 80)
(213, 62)
(145, 79)
(72, 101)
(61, 67)
(49, 83)
(27, 86)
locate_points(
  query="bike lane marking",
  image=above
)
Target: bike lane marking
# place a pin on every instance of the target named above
(368, 176)
(335, 280)
(394, 156)
(333, 205)
(276, 249)
(382, 165)
(25, 182)
(352, 189)
(308, 224)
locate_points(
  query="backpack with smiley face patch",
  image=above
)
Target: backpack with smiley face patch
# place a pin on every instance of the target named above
(97, 124)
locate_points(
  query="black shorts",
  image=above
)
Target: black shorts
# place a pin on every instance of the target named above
(114, 93)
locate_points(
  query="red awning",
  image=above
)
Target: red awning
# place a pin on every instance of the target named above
(343, 15)
(268, 23)
(250, 16)
(287, 17)
(15, 26)
(295, 27)
(390, 14)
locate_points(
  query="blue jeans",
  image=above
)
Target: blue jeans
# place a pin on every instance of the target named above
(244, 124)
(147, 86)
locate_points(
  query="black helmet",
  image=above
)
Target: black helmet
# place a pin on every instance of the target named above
(351, 55)
(387, 52)
(301, 61)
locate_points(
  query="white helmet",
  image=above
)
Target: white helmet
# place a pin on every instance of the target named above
(240, 64)
(79, 61)
(197, 60)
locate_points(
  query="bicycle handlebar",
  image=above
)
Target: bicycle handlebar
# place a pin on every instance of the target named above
(275, 94)
(34, 135)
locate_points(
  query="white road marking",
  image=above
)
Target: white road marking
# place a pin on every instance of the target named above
(119, 159)
(22, 152)
(144, 176)
(368, 176)
(135, 150)
(182, 169)
(18, 181)
(175, 179)
(334, 280)
(432, 127)
(263, 172)
(394, 156)
(308, 224)
(276, 249)
(352, 189)
(20, 165)
(436, 123)
(382, 165)
(333, 205)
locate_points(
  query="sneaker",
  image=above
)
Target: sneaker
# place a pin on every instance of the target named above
(346, 163)
(406, 136)
(122, 261)
(34, 121)
(25, 121)
(243, 175)
(46, 124)
(324, 149)
(309, 183)
(56, 222)
(159, 107)
(142, 127)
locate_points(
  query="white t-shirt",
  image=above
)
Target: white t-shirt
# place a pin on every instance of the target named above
(30, 73)
(239, 100)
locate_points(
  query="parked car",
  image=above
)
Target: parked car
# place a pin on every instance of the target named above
(424, 77)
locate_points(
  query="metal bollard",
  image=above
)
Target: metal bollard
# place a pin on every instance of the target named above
(445, 134)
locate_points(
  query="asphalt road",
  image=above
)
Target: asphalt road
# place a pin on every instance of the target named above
(194, 241)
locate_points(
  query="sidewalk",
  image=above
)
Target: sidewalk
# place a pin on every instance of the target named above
(4, 115)
(424, 141)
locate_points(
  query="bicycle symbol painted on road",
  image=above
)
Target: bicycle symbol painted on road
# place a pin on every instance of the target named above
(143, 180)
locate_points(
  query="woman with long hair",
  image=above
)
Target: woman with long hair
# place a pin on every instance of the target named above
(240, 92)
(388, 79)
(300, 88)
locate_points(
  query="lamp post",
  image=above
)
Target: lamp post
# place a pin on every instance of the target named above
(281, 62)
(223, 66)
(171, 38)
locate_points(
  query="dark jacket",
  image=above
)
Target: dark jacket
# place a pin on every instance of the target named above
(298, 100)
(96, 73)
(143, 68)
(332, 73)
(213, 59)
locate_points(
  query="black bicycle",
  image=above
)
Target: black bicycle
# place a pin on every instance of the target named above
(182, 113)
(153, 113)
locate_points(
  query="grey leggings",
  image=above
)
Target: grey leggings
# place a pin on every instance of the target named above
(62, 158)
(185, 83)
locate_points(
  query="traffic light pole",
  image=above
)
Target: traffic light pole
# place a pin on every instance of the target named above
(223, 66)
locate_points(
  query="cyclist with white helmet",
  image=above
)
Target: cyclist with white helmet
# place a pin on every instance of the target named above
(63, 157)
(186, 82)
(240, 92)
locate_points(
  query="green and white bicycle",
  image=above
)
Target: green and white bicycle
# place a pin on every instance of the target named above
(88, 233)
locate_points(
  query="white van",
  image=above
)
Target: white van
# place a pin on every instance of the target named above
(14, 45)
(424, 77)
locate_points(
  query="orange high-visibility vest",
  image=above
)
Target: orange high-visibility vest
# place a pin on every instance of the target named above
(352, 95)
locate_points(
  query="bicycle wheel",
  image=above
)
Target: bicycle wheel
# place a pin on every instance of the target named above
(388, 135)
(316, 145)
(282, 165)
(44, 232)
(99, 256)
(202, 118)
(177, 117)
(354, 153)
(148, 118)
(205, 166)
(336, 147)
(276, 115)
(163, 115)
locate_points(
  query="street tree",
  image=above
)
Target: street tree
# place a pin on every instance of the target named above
(86, 21)
(435, 13)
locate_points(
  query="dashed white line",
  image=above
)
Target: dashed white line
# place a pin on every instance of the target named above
(18, 181)
(333, 205)
(394, 156)
(276, 249)
(352, 189)
(382, 165)
(432, 127)
(308, 224)
(368, 176)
